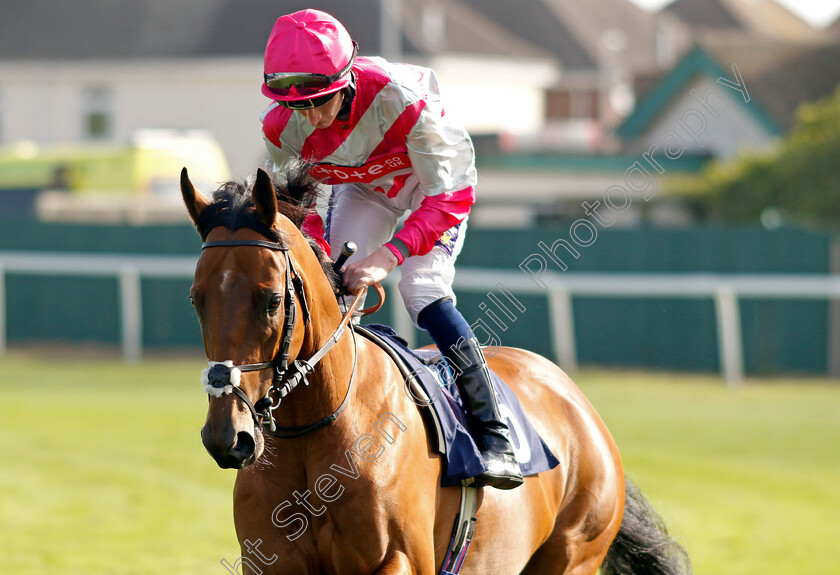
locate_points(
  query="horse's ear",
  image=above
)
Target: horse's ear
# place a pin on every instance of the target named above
(194, 200)
(264, 198)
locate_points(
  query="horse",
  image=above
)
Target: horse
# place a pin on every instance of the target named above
(324, 492)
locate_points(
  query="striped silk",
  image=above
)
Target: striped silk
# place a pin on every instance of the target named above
(397, 128)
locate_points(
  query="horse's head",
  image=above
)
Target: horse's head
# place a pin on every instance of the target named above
(250, 298)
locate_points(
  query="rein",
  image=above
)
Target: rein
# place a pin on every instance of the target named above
(221, 378)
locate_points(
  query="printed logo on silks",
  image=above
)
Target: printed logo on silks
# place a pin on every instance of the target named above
(449, 238)
(331, 174)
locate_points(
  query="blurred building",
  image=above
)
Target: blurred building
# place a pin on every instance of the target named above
(698, 106)
(784, 62)
(751, 18)
(98, 70)
(560, 97)
(538, 74)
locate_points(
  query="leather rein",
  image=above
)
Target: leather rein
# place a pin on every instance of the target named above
(222, 377)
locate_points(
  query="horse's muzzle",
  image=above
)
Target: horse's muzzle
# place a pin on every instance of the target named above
(230, 449)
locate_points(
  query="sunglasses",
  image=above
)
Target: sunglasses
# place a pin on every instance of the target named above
(306, 84)
(307, 104)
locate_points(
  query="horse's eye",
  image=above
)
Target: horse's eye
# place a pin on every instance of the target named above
(274, 303)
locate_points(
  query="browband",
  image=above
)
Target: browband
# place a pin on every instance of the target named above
(276, 246)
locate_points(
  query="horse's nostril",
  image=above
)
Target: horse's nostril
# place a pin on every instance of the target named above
(244, 446)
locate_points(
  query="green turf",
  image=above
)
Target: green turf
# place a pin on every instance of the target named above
(748, 479)
(104, 472)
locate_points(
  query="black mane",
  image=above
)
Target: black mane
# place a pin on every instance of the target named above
(234, 209)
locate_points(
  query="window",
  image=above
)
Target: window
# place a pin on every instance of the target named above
(97, 120)
(566, 104)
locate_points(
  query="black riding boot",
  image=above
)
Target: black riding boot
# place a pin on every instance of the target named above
(486, 424)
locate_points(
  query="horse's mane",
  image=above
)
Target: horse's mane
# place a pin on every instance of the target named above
(233, 208)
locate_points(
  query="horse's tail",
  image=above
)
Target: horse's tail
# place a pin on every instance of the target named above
(642, 545)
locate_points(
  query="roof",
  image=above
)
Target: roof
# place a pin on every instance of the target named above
(765, 18)
(704, 14)
(541, 25)
(242, 28)
(135, 29)
(784, 75)
(779, 76)
(43, 29)
(466, 29)
(614, 29)
(833, 28)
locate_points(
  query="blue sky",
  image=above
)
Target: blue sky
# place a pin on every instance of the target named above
(816, 12)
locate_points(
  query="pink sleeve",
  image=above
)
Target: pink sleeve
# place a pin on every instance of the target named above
(313, 226)
(435, 215)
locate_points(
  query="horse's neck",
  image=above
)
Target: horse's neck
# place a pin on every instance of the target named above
(328, 383)
(377, 401)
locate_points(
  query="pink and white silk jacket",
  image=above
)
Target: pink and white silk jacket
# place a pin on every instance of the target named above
(397, 128)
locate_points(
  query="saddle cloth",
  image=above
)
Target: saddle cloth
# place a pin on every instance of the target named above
(431, 385)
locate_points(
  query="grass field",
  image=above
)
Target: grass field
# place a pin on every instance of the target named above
(103, 470)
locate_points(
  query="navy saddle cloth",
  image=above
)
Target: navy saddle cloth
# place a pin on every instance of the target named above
(446, 415)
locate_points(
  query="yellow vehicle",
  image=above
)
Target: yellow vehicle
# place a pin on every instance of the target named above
(145, 171)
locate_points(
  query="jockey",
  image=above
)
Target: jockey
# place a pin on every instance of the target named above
(378, 134)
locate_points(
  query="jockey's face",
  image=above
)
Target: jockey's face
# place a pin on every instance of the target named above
(324, 115)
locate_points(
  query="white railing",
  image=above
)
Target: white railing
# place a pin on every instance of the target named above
(127, 268)
(724, 289)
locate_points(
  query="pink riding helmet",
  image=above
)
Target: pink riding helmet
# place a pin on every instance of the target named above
(309, 54)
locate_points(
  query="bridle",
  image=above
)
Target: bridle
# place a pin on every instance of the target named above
(222, 377)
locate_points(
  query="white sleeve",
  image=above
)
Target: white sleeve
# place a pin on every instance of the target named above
(281, 162)
(440, 148)
(280, 159)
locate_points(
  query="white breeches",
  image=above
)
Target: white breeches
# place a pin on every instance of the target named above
(369, 220)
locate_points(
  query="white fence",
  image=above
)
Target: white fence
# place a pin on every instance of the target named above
(127, 268)
(724, 289)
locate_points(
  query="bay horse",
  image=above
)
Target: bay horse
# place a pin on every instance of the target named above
(325, 493)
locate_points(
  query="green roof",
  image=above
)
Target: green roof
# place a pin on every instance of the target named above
(696, 62)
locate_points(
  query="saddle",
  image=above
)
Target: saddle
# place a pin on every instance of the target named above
(430, 383)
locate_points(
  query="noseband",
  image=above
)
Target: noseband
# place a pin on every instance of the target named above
(221, 378)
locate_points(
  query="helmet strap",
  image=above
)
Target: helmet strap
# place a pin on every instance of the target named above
(348, 92)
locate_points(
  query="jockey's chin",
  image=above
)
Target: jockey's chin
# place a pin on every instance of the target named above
(324, 115)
